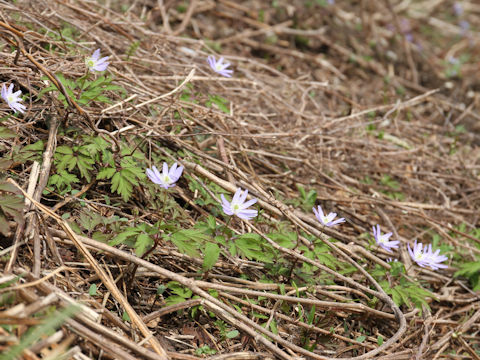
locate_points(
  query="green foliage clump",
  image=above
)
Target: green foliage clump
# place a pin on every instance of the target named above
(471, 270)
(84, 91)
(406, 291)
(93, 157)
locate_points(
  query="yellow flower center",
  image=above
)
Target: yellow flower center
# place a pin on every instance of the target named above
(166, 179)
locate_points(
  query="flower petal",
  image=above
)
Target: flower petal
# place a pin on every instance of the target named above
(237, 196)
(96, 55)
(211, 61)
(247, 214)
(248, 204)
(243, 197)
(165, 169)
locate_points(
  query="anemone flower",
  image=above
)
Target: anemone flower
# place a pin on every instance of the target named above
(327, 220)
(167, 178)
(382, 240)
(94, 63)
(238, 206)
(424, 256)
(219, 66)
(13, 98)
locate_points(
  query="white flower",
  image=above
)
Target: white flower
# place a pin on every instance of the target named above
(219, 66)
(13, 98)
(427, 257)
(238, 206)
(327, 220)
(95, 64)
(167, 178)
(382, 240)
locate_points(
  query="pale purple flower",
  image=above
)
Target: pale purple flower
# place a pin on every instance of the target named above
(417, 255)
(409, 37)
(427, 257)
(94, 63)
(382, 240)
(457, 8)
(238, 206)
(328, 219)
(464, 25)
(390, 260)
(435, 259)
(219, 66)
(13, 98)
(453, 60)
(167, 178)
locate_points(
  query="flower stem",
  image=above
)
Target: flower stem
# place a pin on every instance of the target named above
(164, 203)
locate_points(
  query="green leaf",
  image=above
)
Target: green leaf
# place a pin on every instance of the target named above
(114, 88)
(212, 251)
(67, 162)
(106, 173)
(327, 259)
(212, 223)
(232, 334)
(5, 186)
(103, 99)
(8, 283)
(361, 338)
(468, 269)
(273, 327)
(97, 82)
(84, 164)
(301, 190)
(122, 185)
(37, 146)
(123, 236)
(379, 340)
(174, 299)
(286, 240)
(142, 244)
(68, 158)
(92, 290)
(63, 180)
(187, 241)
(180, 290)
(388, 181)
(250, 246)
(6, 133)
(396, 297)
(10, 205)
(65, 150)
(219, 101)
(45, 90)
(311, 315)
